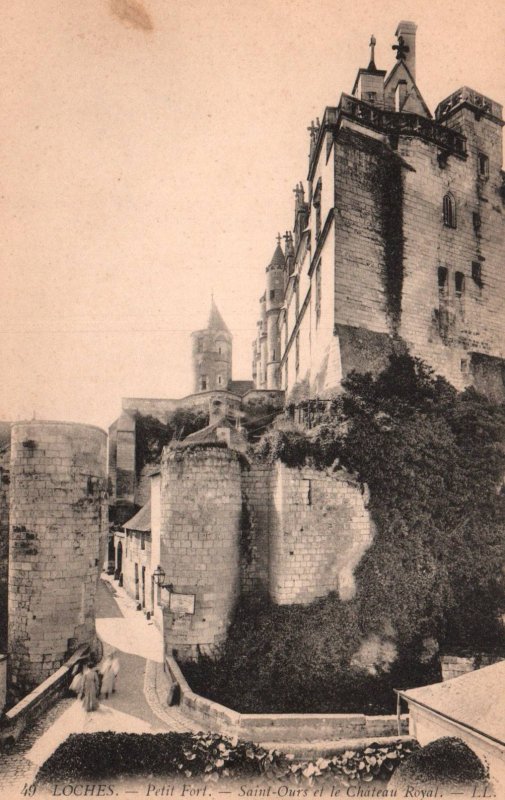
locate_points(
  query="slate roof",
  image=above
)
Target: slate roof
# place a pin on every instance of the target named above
(141, 521)
(216, 322)
(278, 259)
(475, 699)
(240, 387)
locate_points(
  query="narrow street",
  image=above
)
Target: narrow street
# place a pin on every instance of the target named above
(137, 705)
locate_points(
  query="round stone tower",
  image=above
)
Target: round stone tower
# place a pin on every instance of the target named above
(212, 354)
(58, 530)
(274, 299)
(201, 506)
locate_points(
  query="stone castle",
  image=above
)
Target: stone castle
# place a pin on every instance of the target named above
(397, 244)
(398, 240)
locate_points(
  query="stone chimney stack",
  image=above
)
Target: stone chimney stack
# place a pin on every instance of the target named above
(407, 31)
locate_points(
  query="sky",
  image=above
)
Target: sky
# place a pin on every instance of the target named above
(148, 153)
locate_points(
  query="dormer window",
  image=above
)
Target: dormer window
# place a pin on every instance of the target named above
(449, 209)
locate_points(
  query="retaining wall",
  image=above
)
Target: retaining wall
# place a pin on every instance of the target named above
(301, 729)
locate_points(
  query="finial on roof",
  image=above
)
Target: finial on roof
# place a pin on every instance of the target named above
(279, 238)
(401, 49)
(373, 42)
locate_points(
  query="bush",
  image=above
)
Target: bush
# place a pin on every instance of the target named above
(297, 659)
(444, 761)
(102, 756)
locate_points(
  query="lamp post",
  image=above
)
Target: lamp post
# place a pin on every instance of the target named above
(158, 577)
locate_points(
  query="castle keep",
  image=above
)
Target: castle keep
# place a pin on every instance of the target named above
(398, 240)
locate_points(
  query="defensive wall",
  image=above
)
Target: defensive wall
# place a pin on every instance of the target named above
(58, 530)
(229, 527)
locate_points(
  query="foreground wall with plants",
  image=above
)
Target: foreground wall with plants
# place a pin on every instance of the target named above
(207, 756)
(434, 461)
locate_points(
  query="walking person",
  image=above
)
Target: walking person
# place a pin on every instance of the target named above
(107, 683)
(77, 680)
(90, 688)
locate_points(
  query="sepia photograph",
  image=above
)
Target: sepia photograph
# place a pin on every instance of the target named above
(252, 407)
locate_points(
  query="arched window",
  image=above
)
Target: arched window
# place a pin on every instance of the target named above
(449, 206)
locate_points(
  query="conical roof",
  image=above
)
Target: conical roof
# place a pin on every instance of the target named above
(278, 259)
(216, 322)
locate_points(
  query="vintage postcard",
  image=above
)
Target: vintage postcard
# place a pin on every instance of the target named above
(252, 417)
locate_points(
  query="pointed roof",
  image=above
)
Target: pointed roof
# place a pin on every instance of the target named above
(216, 322)
(278, 259)
(400, 67)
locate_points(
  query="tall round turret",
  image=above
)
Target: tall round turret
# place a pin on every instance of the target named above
(201, 504)
(275, 273)
(212, 354)
(58, 530)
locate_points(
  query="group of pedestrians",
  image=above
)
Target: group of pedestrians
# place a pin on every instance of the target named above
(92, 681)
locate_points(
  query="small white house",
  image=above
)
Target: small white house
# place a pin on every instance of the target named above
(471, 707)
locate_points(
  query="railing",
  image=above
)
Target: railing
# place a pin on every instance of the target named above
(392, 122)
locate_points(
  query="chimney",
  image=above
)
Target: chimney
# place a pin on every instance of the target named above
(407, 30)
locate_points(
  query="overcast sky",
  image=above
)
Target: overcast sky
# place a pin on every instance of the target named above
(148, 155)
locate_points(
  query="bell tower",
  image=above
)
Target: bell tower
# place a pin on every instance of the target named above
(212, 354)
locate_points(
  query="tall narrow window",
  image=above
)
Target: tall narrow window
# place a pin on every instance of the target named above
(443, 281)
(477, 273)
(316, 202)
(203, 383)
(449, 207)
(459, 284)
(318, 293)
(483, 165)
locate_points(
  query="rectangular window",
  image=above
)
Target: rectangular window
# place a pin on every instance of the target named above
(203, 383)
(142, 541)
(459, 284)
(483, 165)
(443, 281)
(272, 294)
(477, 273)
(200, 345)
(476, 221)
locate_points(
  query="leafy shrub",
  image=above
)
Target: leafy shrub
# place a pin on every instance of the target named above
(444, 761)
(152, 435)
(209, 756)
(297, 659)
(290, 446)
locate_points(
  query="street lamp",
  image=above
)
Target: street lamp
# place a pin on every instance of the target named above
(158, 577)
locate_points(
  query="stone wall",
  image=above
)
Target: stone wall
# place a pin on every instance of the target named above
(228, 527)
(137, 568)
(454, 666)
(319, 528)
(201, 508)
(58, 529)
(257, 506)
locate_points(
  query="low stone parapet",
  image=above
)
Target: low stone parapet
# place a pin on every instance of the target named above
(295, 729)
(24, 713)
